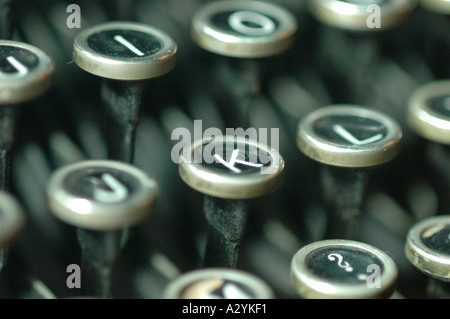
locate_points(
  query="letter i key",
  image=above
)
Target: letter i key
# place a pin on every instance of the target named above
(125, 54)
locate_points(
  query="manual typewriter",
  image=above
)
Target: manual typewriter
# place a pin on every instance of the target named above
(224, 149)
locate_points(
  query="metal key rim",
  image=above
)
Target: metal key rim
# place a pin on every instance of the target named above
(312, 286)
(354, 156)
(425, 121)
(99, 216)
(224, 185)
(354, 17)
(32, 85)
(241, 46)
(132, 69)
(423, 257)
(177, 286)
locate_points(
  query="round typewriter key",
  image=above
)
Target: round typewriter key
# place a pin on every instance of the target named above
(355, 14)
(349, 136)
(240, 32)
(125, 55)
(230, 171)
(12, 218)
(429, 111)
(231, 167)
(101, 195)
(347, 139)
(102, 198)
(243, 29)
(218, 284)
(438, 6)
(124, 51)
(25, 74)
(428, 247)
(343, 269)
(429, 117)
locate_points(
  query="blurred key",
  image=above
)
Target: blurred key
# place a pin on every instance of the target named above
(343, 269)
(355, 14)
(244, 32)
(25, 74)
(102, 199)
(437, 6)
(429, 117)
(218, 283)
(427, 247)
(429, 111)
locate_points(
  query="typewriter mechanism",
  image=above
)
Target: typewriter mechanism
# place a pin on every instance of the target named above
(226, 149)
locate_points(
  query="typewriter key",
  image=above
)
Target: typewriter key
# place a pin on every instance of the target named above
(128, 53)
(429, 117)
(438, 6)
(25, 74)
(355, 14)
(125, 51)
(12, 220)
(218, 284)
(346, 139)
(428, 247)
(343, 269)
(102, 198)
(230, 171)
(429, 111)
(243, 31)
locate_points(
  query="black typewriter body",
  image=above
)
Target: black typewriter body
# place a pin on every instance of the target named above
(325, 65)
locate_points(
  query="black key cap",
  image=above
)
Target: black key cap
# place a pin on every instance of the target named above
(341, 269)
(218, 284)
(427, 247)
(230, 171)
(102, 199)
(128, 53)
(346, 139)
(429, 111)
(429, 117)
